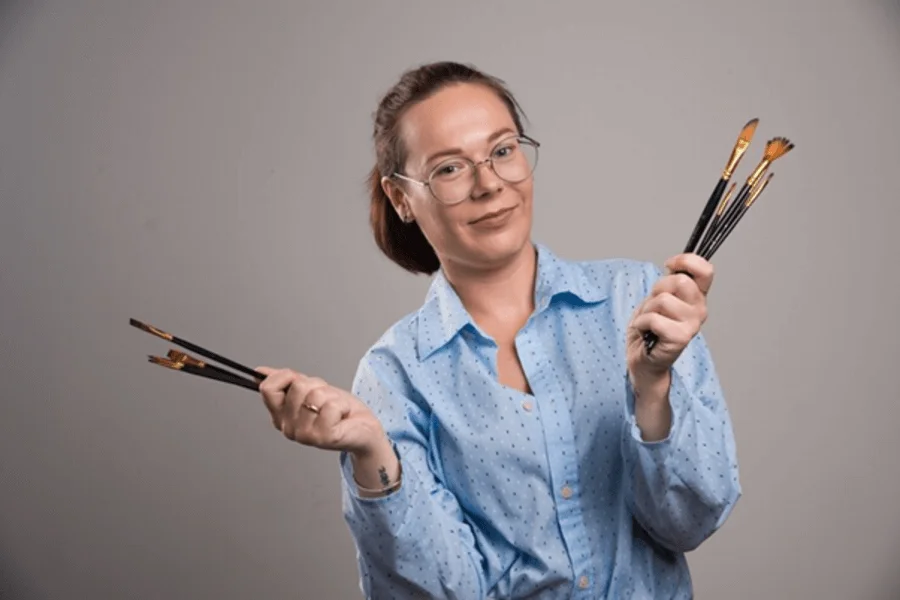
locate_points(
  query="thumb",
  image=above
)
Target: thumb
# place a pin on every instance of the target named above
(265, 370)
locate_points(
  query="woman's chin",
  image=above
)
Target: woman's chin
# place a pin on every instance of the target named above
(502, 245)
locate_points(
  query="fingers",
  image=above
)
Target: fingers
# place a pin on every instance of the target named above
(680, 285)
(317, 428)
(307, 409)
(700, 269)
(670, 306)
(667, 329)
(274, 387)
(300, 405)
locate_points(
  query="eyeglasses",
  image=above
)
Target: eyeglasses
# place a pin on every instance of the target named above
(513, 160)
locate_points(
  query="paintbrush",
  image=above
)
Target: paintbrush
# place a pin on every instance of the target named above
(198, 349)
(203, 372)
(740, 147)
(715, 201)
(182, 357)
(754, 194)
(775, 149)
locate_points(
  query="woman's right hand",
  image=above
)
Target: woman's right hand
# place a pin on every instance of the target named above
(311, 412)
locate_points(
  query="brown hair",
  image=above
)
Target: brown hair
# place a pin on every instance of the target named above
(404, 243)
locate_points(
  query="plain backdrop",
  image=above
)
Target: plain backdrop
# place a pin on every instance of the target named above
(200, 165)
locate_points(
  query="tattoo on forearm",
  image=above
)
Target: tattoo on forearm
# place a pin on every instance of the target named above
(385, 480)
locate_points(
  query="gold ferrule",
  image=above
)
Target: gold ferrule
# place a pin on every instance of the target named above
(190, 360)
(756, 191)
(158, 332)
(757, 173)
(735, 158)
(182, 357)
(166, 363)
(724, 201)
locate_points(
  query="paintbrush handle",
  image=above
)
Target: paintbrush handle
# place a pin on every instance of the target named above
(709, 232)
(716, 234)
(222, 376)
(218, 358)
(726, 232)
(705, 215)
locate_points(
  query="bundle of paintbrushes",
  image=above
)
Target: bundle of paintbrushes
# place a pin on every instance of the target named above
(721, 214)
(181, 361)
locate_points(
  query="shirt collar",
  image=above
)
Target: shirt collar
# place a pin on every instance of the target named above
(443, 315)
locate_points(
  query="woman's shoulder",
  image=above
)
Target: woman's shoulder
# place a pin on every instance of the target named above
(622, 279)
(391, 354)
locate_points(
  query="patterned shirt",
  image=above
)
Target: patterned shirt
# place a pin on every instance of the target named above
(552, 494)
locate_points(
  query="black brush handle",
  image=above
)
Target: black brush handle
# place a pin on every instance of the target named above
(650, 338)
(727, 229)
(710, 232)
(224, 377)
(218, 358)
(715, 235)
(708, 210)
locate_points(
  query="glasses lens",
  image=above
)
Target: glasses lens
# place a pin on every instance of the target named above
(513, 159)
(452, 181)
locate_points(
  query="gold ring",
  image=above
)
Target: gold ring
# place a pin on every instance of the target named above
(310, 407)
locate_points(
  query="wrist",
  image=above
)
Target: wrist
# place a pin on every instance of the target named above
(378, 447)
(652, 388)
(376, 468)
(652, 412)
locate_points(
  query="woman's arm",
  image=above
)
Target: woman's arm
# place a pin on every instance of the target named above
(413, 542)
(679, 449)
(683, 486)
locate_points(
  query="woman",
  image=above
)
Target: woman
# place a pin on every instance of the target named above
(513, 438)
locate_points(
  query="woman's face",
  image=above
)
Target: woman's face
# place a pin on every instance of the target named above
(469, 121)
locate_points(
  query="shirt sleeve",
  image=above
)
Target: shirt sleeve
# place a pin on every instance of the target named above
(682, 488)
(413, 543)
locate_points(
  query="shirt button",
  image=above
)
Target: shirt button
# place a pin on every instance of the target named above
(527, 405)
(566, 492)
(583, 581)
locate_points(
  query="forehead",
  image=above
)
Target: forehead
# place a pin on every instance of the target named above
(458, 116)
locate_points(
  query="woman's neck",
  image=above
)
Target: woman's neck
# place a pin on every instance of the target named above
(503, 295)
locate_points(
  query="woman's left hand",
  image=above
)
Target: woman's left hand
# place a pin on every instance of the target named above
(675, 310)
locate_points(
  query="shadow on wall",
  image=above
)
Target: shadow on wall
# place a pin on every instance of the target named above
(893, 10)
(14, 15)
(12, 585)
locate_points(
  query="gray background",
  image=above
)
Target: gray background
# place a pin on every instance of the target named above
(200, 166)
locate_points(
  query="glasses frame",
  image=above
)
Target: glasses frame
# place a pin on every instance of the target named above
(490, 160)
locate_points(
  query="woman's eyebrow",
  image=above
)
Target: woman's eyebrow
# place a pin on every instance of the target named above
(452, 151)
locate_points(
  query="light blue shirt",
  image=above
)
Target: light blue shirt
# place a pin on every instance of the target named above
(553, 494)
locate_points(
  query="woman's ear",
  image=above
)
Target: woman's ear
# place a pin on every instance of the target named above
(397, 195)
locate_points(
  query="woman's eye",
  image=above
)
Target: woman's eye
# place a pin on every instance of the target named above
(448, 169)
(505, 151)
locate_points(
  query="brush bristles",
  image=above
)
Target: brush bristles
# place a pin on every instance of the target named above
(776, 148)
(748, 130)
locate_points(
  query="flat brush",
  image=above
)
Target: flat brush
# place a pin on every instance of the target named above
(178, 366)
(740, 147)
(195, 348)
(775, 149)
(182, 357)
(754, 194)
